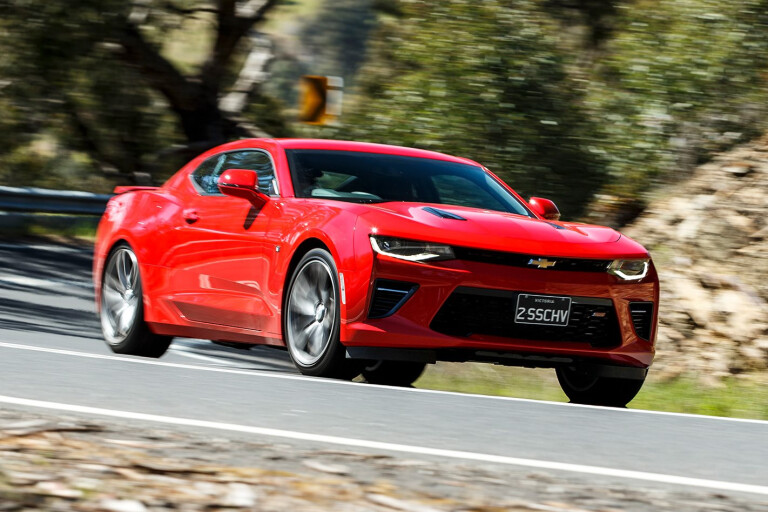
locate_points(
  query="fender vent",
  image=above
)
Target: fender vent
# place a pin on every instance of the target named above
(389, 296)
(642, 318)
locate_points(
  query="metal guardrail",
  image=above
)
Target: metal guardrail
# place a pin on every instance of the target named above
(40, 200)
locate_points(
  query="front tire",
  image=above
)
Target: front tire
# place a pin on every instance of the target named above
(122, 308)
(312, 318)
(584, 386)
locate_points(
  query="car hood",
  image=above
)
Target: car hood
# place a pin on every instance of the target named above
(498, 231)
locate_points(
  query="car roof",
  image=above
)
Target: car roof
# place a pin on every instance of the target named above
(345, 145)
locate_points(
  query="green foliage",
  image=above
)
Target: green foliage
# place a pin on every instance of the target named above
(572, 99)
(104, 79)
(65, 81)
(681, 80)
(485, 81)
(737, 397)
(649, 90)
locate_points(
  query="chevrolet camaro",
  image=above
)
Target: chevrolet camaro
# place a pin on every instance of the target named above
(373, 259)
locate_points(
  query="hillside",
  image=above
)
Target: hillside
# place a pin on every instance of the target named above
(709, 239)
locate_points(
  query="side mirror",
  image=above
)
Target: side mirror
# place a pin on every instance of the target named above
(242, 183)
(544, 208)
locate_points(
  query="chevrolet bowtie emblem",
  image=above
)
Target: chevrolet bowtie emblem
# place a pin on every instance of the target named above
(542, 262)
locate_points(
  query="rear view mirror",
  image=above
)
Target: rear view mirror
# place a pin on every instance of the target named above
(544, 208)
(242, 183)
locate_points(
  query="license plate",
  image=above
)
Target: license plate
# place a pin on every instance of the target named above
(542, 309)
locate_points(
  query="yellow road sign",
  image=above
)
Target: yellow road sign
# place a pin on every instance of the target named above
(321, 98)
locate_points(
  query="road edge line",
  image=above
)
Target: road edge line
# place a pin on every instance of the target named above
(401, 448)
(266, 373)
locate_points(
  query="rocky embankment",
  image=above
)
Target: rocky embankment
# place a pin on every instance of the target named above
(709, 239)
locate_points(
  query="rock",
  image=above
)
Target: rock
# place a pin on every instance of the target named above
(398, 504)
(754, 357)
(334, 469)
(709, 238)
(760, 233)
(713, 281)
(741, 222)
(58, 490)
(762, 343)
(239, 495)
(122, 506)
(738, 169)
(170, 467)
(737, 316)
(689, 228)
(682, 261)
(24, 425)
(691, 297)
(22, 478)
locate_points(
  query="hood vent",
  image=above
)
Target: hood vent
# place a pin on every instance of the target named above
(442, 213)
(556, 226)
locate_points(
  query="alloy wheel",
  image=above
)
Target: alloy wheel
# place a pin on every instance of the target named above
(311, 320)
(120, 295)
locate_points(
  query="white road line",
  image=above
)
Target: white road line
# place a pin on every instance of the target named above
(334, 382)
(394, 447)
(153, 362)
(253, 357)
(192, 355)
(233, 361)
(34, 282)
(49, 248)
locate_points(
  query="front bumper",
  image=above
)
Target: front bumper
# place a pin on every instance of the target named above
(457, 313)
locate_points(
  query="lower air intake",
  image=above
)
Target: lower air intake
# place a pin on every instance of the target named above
(481, 311)
(389, 296)
(642, 318)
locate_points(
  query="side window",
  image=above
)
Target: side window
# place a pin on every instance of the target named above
(257, 161)
(460, 191)
(206, 175)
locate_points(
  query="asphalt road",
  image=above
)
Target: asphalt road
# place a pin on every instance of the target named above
(52, 357)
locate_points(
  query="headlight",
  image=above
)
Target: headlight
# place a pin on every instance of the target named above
(629, 270)
(411, 250)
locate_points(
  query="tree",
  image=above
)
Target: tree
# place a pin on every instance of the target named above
(99, 74)
(680, 80)
(486, 80)
(598, 16)
(591, 102)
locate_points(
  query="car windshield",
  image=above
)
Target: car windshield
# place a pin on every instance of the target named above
(374, 178)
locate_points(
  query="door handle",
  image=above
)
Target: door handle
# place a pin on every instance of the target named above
(191, 216)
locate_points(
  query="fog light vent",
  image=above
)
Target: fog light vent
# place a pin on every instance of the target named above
(389, 296)
(642, 316)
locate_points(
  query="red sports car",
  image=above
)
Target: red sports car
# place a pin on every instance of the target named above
(373, 259)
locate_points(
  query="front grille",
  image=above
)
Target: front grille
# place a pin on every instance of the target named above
(522, 260)
(389, 296)
(642, 318)
(482, 311)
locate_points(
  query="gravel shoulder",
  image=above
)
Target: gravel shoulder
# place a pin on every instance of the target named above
(53, 462)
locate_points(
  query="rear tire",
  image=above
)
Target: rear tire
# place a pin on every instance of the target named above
(312, 316)
(393, 373)
(583, 386)
(122, 308)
